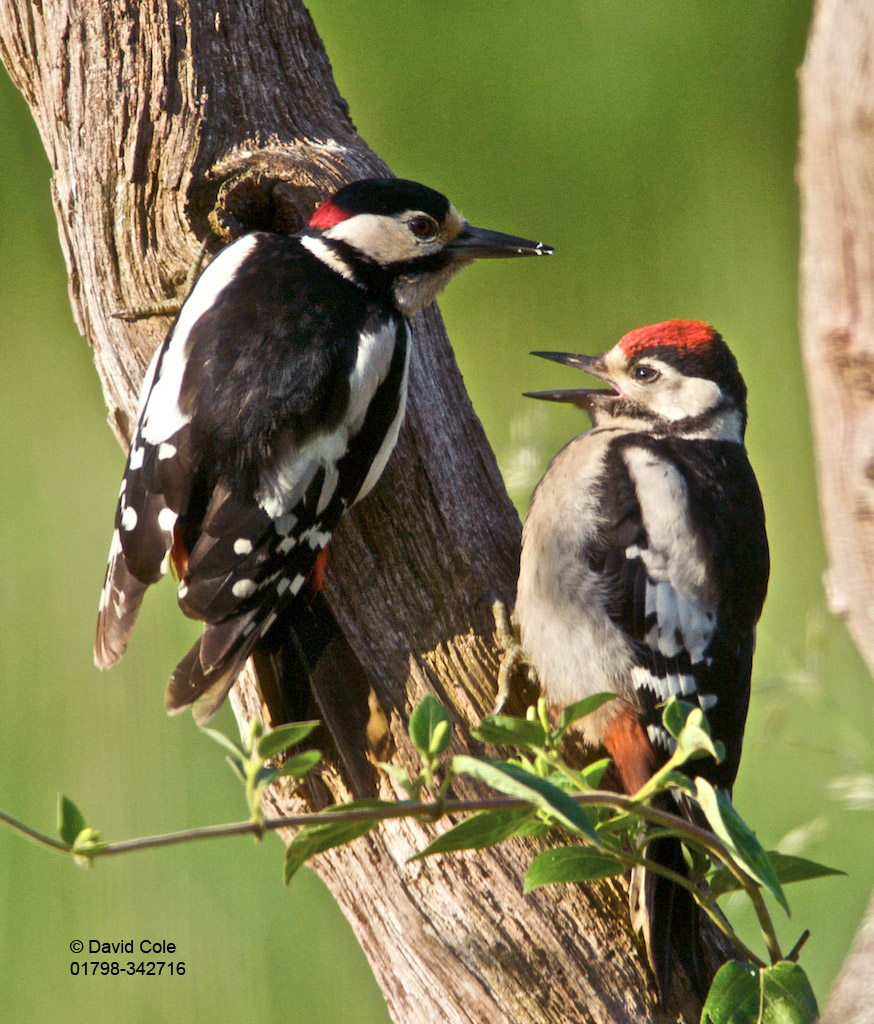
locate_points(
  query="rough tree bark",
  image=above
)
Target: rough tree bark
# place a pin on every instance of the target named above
(152, 114)
(837, 306)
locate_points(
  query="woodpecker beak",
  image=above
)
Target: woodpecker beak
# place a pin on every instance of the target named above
(477, 243)
(587, 399)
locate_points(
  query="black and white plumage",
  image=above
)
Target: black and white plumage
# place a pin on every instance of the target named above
(270, 409)
(644, 569)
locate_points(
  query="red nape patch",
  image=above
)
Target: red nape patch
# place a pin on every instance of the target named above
(670, 334)
(327, 215)
(631, 750)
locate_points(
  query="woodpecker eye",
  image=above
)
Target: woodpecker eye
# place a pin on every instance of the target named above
(645, 374)
(422, 227)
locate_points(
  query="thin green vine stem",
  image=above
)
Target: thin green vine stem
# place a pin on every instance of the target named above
(431, 812)
(33, 834)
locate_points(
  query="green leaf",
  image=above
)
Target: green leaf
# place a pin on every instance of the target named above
(237, 767)
(256, 731)
(296, 767)
(234, 749)
(277, 741)
(594, 772)
(739, 838)
(510, 731)
(396, 772)
(413, 787)
(570, 864)
(581, 708)
(675, 713)
(534, 828)
(694, 739)
(788, 996)
(478, 832)
(430, 727)
(71, 820)
(787, 869)
(743, 994)
(313, 839)
(516, 782)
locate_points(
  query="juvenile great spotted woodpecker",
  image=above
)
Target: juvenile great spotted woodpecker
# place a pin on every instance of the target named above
(643, 572)
(271, 408)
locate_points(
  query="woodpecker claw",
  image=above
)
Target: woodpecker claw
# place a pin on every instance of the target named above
(133, 313)
(168, 307)
(513, 659)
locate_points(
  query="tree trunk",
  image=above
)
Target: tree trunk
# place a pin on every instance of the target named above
(154, 116)
(837, 306)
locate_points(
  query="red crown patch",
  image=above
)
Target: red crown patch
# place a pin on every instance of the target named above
(670, 334)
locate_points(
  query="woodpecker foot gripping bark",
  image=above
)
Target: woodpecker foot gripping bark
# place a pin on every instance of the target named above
(514, 659)
(169, 307)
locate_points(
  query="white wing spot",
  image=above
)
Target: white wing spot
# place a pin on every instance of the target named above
(242, 546)
(167, 519)
(129, 518)
(136, 458)
(315, 537)
(166, 451)
(286, 544)
(243, 588)
(182, 591)
(688, 685)
(707, 701)
(297, 583)
(283, 585)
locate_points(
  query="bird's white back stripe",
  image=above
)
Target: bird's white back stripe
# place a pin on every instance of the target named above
(162, 416)
(322, 251)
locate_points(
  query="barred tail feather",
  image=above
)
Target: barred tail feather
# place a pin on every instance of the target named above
(120, 603)
(205, 675)
(287, 655)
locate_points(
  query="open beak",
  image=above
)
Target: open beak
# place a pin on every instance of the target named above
(583, 398)
(477, 244)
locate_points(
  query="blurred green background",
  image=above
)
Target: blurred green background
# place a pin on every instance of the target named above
(653, 145)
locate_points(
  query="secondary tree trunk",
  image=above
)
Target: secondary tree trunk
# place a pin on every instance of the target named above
(837, 306)
(153, 115)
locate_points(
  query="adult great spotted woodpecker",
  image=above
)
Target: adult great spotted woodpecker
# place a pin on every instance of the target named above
(643, 572)
(271, 408)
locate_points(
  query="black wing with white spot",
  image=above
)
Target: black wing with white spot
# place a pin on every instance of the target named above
(686, 586)
(248, 567)
(268, 411)
(145, 518)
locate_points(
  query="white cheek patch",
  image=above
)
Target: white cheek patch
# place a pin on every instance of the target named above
(687, 397)
(675, 396)
(382, 238)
